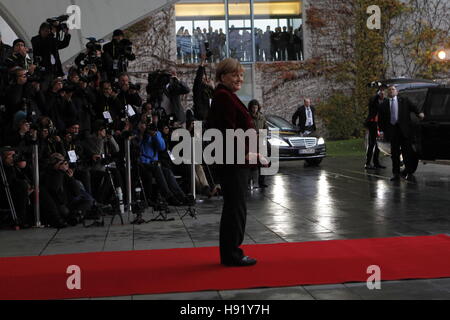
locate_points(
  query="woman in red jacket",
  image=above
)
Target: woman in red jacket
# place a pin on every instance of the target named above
(228, 112)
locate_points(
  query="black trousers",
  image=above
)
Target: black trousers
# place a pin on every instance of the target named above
(401, 145)
(372, 149)
(234, 214)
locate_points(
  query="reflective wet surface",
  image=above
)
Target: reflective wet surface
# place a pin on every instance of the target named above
(338, 200)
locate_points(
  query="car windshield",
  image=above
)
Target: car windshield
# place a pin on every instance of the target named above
(280, 123)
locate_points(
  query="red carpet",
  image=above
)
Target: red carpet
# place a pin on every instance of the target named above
(187, 270)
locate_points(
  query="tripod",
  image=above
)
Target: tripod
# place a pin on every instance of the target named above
(116, 211)
(162, 207)
(139, 219)
(191, 210)
(8, 194)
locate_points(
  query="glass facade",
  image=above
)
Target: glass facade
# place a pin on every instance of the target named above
(248, 30)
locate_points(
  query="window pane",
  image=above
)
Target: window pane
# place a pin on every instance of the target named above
(279, 35)
(206, 28)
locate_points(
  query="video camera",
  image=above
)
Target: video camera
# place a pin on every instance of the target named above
(91, 58)
(59, 22)
(125, 48)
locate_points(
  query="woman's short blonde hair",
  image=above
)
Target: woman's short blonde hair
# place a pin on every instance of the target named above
(227, 66)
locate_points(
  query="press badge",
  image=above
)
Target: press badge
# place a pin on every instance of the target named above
(130, 110)
(107, 116)
(72, 156)
(116, 65)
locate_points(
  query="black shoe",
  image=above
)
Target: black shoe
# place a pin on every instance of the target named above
(244, 262)
(395, 178)
(410, 177)
(263, 185)
(379, 166)
(369, 167)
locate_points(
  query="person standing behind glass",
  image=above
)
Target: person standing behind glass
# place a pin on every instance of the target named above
(228, 112)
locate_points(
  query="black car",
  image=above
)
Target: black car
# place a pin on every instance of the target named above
(431, 140)
(292, 145)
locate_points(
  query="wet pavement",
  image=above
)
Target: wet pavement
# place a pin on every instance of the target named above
(338, 200)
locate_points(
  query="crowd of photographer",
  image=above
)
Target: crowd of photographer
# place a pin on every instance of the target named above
(80, 123)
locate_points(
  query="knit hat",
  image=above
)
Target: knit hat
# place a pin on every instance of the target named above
(118, 32)
(18, 41)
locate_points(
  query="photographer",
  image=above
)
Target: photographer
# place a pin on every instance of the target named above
(128, 96)
(19, 186)
(116, 55)
(106, 101)
(83, 99)
(23, 138)
(150, 142)
(67, 110)
(49, 143)
(20, 99)
(203, 93)
(165, 90)
(73, 144)
(20, 58)
(100, 148)
(92, 56)
(62, 198)
(47, 44)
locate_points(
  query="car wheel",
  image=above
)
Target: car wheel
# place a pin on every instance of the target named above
(314, 162)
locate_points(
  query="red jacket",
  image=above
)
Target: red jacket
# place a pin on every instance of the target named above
(228, 112)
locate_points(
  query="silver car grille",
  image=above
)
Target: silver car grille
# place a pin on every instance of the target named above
(303, 142)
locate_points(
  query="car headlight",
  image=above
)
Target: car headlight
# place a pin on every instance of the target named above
(321, 141)
(276, 142)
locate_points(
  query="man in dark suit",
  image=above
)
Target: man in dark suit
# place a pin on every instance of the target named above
(47, 45)
(373, 153)
(305, 117)
(395, 123)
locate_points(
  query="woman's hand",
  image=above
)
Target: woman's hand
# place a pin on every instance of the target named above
(257, 158)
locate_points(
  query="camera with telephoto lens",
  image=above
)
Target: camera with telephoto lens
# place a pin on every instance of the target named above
(37, 61)
(135, 86)
(18, 157)
(125, 48)
(59, 22)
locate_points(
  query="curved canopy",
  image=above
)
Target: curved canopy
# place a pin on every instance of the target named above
(99, 18)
